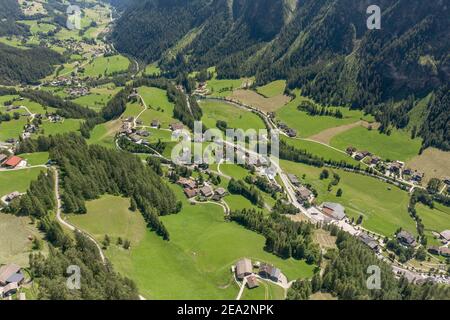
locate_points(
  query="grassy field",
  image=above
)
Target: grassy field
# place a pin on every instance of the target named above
(384, 208)
(36, 27)
(159, 107)
(99, 97)
(196, 263)
(397, 146)
(15, 245)
(234, 171)
(35, 159)
(254, 99)
(265, 291)
(103, 134)
(223, 87)
(272, 89)
(18, 180)
(153, 69)
(12, 129)
(437, 219)
(307, 125)
(106, 66)
(433, 162)
(68, 125)
(235, 117)
(319, 150)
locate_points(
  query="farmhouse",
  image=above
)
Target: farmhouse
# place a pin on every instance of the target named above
(155, 124)
(243, 268)
(252, 282)
(13, 162)
(176, 126)
(444, 251)
(369, 241)
(294, 180)
(13, 195)
(219, 193)
(434, 250)
(11, 273)
(333, 210)
(186, 183)
(206, 191)
(143, 133)
(190, 193)
(304, 194)
(445, 235)
(406, 238)
(270, 272)
(3, 157)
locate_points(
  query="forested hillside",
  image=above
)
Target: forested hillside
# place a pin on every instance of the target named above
(321, 46)
(26, 66)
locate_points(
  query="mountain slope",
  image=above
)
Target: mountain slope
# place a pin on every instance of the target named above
(321, 46)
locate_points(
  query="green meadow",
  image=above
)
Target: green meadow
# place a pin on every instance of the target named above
(234, 171)
(159, 107)
(17, 180)
(272, 89)
(106, 66)
(307, 125)
(319, 150)
(384, 207)
(235, 117)
(68, 125)
(98, 97)
(195, 263)
(223, 87)
(437, 219)
(36, 159)
(397, 146)
(12, 129)
(152, 69)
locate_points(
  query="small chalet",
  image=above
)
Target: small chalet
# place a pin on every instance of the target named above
(252, 282)
(176, 126)
(406, 238)
(206, 191)
(243, 268)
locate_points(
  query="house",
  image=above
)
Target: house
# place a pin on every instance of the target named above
(11, 141)
(186, 183)
(155, 124)
(243, 268)
(434, 250)
(9, 289)
(291, 133)
(13, 195)
(445, 235)
(359, 156)
(417, 176)
(275, 275)
(206, 191)
(444, 251)
(406, 239)
(369, 241)
(350, 150)
(304, 194)
(294, 180)
(135, 138)
(219, 193)
(252, 282)
(11, 273)
(333, 210)
(3, 157)
(13, 162)
(190, 193)
(375, 160)
(143, 133)
(176, 126)
(265, 271)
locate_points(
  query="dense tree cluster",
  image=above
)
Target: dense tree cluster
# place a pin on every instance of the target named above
(346, 275)
(249, 192)
(284, 237)
(98, 281)
(314, 110)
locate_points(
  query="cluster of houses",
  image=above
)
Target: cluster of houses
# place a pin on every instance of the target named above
(12, 162)
(192, 189)
(244, 269)
(444, 250)
(292, 133)
(11, 278)
(393, 168)
(76, 92)
(304, 195)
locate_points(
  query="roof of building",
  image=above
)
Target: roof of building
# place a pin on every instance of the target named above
(252, 282)
(10, 286)
(177, 126)
(444, 251)
(275, 273)
(368, 240)
(3, 157)
(304, 192)
(7, 271)
(16, 277)
(13, 161)
(206, 191)
(221, 191)
(445, 234)
(293, 178)
(190, 193)
(244, 266)
(406, 236)
(338, 209)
